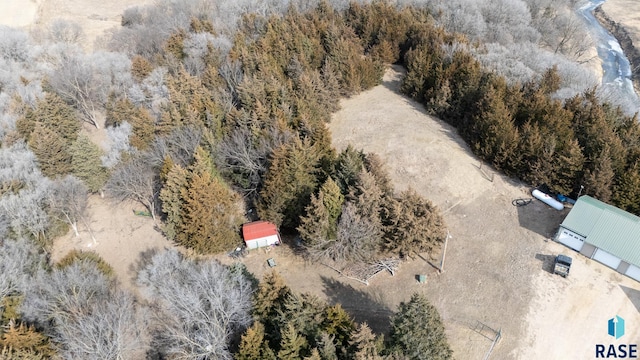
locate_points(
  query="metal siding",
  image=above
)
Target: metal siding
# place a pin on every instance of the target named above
(262, 242)
(271, 240)
(618, 235)
(583, 216)
(251, 244)
(606, 227)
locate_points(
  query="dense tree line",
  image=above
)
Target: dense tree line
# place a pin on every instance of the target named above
(288, 325)
(522, 129)
(75, 308)
(257, 105)
(195, 309)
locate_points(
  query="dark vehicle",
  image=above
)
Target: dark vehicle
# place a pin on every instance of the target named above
(562, 265)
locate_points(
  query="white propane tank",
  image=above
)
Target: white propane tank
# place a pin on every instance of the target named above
(547, 199)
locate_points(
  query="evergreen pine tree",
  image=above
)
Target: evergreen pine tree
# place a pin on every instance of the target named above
(363, 343)
(289, 183)
(493, 135)
(191, 105)
(570, 172)
(327, 347)
(348, 166)
(172, 199)
(417, 331)
(315, 355)
(268, 302)
(141, 121)
(293, 344)
(599, 181)
(315, 227)
(415, 225)
(627, 191)
(271, 295)
(52, 151)
(338, 324)
(211, 215)
(253, 345)
(321, 221)
(140, 67)
(86, 163)
(52, 113)
(20, 337)
(305, 312)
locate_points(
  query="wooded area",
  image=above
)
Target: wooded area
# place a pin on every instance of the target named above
(208, 119)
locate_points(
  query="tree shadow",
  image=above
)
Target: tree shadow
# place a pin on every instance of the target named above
(143, 261)
(633, 295)
(548, 262)
(359, 304)
(540, 218)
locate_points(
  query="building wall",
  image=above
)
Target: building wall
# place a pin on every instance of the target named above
(588, 250)
(622, 268)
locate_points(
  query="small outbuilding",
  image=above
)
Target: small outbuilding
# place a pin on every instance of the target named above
(259, 234)
(603, 233)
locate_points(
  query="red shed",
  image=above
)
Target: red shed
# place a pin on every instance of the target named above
(260, 233)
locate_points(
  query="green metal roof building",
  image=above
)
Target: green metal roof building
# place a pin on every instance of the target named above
(604, 233)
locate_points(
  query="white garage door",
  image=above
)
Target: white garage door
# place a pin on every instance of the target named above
(633, 272)
(604, 257)
(571, 239)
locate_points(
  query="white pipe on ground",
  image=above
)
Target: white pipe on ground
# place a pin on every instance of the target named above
(545, 198)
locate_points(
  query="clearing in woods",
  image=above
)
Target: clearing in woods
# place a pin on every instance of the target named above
(497, 272)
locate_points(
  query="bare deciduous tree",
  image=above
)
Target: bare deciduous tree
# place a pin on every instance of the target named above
(136, 180)
(19, 261)
(114, 328)
(118, 144)
(65, 31)
(179, 145)
(85, 81)
(74, 81)
(357, 239)
(25, 210)
(68, 200)
(84, 314)
(14, 44)
(202, 305)
(245, 158)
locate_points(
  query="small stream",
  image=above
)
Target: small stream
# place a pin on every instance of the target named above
(615, 65)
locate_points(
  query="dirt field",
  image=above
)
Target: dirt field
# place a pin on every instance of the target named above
(497, 264)
(627, 13)
(94, 16)
(120, 237)
(18, 13)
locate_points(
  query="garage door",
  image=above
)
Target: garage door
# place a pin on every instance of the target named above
(570, 239)
(633, 272)
(604, 257)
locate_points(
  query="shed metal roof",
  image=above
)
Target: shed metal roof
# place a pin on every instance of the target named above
(607, 227)
(258, 229)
